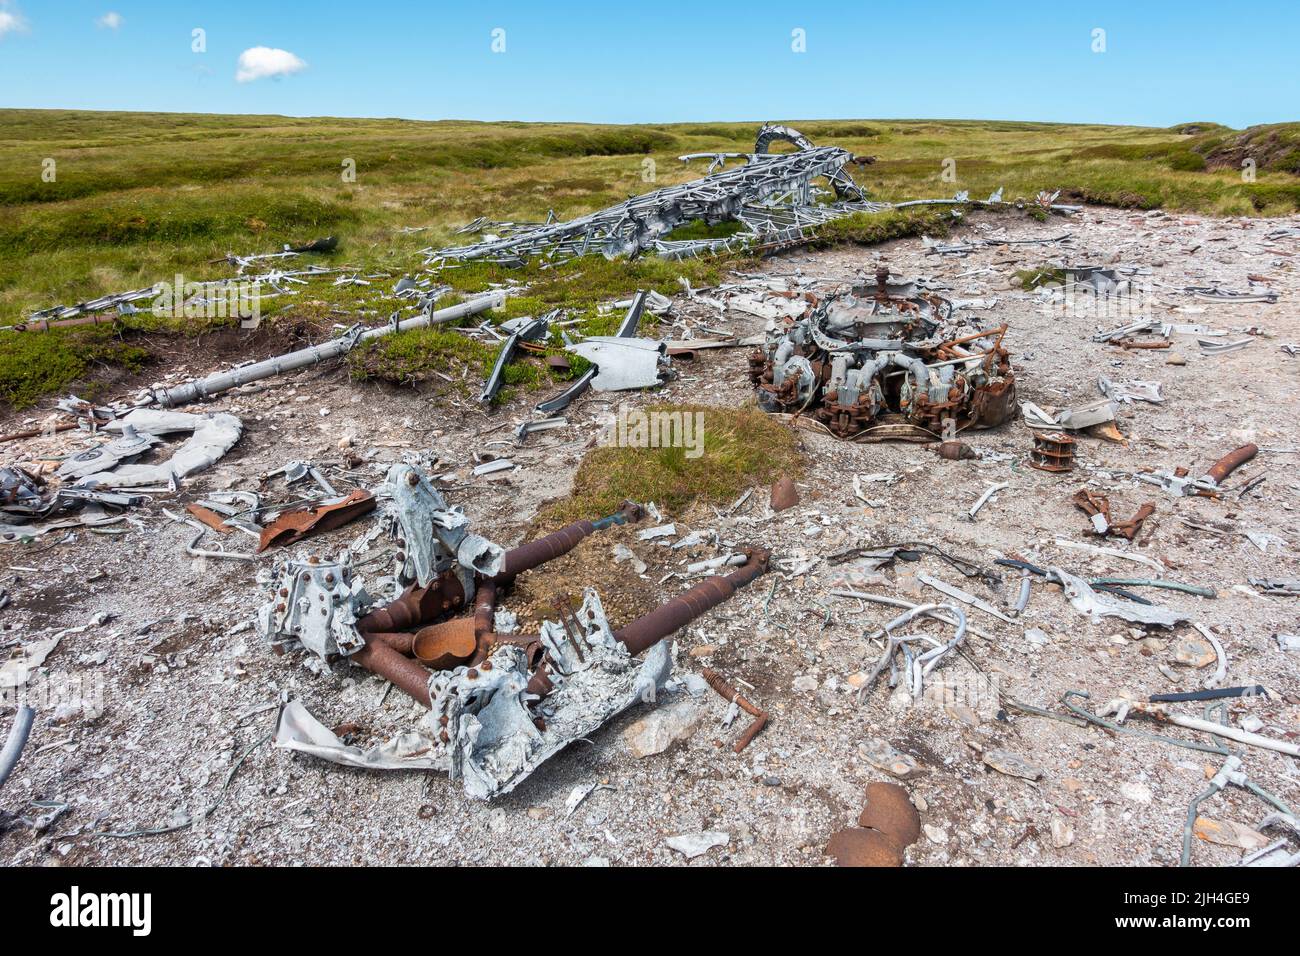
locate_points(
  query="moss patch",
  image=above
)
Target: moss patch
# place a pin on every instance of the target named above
(743, 447)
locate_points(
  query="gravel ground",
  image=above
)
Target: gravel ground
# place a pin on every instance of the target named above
(189, 691)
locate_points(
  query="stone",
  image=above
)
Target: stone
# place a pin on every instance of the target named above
(962, 713)
(1194, 652)
(1037, 637)
(1013, 765)
(657, 731)
(1062, 833)
(881, 755)
(691, 845)
(935, 834)
(1135, 792)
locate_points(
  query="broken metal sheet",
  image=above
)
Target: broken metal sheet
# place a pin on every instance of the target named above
(492, 467)
(494, 743)
(1216, 294)
(433, 536)
(92, 516)
(21, 492)
(108, 456)
(1218, 348)
(289, 527)
(520, 330)
(1071, 419)
(1142, 325)
(583, 382)
(623, 363)
(541, 425)
(298, 730)
(16, 671)
(768, 305)
(691, 845)
(1088, 602)
(316, 604)
(212, 437)
(1287, 587)
(965, 597)
(1131, 391)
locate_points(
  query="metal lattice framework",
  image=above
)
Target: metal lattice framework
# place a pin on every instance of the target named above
(772, 194)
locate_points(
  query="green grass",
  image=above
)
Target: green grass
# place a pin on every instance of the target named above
(139, 198)
(33, 365)
(743, 447)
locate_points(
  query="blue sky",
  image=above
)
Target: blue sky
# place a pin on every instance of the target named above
(1165, 61)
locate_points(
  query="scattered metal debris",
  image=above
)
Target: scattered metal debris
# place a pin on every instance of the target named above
(729, 693)
(887, 826)
(1053, 451)
(916, 666)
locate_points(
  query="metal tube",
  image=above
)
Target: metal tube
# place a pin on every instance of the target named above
(16, 741)
(671, 617)
(1230, 462)
(224, 381)
(558, 543)
(404, 673)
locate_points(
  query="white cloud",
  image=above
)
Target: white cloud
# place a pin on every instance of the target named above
(11, 21)
(261, 62)
(110, 20)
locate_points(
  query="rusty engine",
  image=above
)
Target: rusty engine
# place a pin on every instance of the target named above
(880, 362)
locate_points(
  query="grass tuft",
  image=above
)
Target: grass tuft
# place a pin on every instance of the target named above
(743, 447)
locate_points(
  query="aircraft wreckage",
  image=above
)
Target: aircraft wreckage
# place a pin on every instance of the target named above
(499, 703)
(880, 362)
(775, 196)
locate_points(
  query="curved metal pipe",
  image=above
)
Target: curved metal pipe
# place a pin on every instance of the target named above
(16, 741)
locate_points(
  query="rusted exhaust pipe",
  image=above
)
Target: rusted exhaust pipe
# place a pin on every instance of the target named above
(404, 673)
(650, 629)
(415, 607)
(1230, 462)
(536, 553)
(671, 617)
(401, 641)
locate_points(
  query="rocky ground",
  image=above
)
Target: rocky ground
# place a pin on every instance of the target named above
(190, 690)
